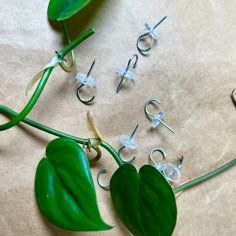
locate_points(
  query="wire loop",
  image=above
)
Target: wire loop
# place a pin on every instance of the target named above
(85, 79)
(106, 187)
(233, 96)
(169, 170)
(128, 142)
(156, 119)
(151, 35)
(126, 73)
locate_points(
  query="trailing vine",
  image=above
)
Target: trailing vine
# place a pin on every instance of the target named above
(64, 190)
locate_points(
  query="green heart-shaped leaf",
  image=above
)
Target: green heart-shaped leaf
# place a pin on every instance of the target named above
(63, 9)
(64, 188)
(144, 201)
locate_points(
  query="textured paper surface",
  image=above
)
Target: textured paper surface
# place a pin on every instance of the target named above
(191, 71)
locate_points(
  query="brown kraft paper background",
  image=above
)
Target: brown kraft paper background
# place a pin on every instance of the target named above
(191, 70)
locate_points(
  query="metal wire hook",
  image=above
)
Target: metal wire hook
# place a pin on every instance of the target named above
(169, 170)
(125, 161)
(97, 157)
(156, 150)
(146, 107)
(88, 101)
(150, 34)
(180, 159)
(156, 119)
(86, 80)
(233, 96)
(60, 56)
(126, 71)
(106, 187)
(128, 142)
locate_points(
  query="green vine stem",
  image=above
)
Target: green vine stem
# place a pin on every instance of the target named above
(19, 117)
(72, 55)
(111, 150)
(49, 130)
(205, 177)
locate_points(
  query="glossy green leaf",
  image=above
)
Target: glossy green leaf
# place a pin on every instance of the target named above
(64, 188)
(144, 200)
(63, 9)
